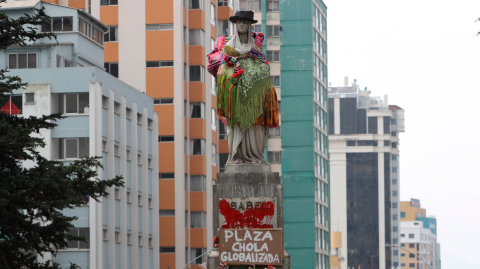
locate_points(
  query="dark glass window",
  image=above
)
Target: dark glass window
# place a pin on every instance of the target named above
(223, 161)
(58, 24)
(394, 145)
(362, 217)
(351, 143)
(166, 138)
(11, 104)
(112, 69)
(387, 188)
(331, 121)
(166, 175)
(222, 131)
(348, 115)
(386, 143)
(167, 249)
(372, 125)
(108, 2)
(112, 34)
(362, 121)
(386, 125)
(83, 232)
(367, 143)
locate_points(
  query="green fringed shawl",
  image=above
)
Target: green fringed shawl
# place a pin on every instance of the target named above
(242, 100)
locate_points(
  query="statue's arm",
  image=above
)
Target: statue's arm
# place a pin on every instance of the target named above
(215, 58)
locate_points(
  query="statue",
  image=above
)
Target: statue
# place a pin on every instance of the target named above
(246, 98)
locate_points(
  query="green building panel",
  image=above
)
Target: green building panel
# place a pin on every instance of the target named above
(297, 83)
(298, 134)
(300, 235)
(304, 182)
(304, 208)
(303, 257)
(297, 159)
(297, 10)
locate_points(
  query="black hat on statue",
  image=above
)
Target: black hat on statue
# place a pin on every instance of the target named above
(244, 15)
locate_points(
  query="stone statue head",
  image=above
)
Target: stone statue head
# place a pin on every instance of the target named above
(243, 19)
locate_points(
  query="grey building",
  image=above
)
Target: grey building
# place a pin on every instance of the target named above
(364, 163)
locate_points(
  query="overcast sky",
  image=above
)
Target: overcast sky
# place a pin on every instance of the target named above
(425, 56)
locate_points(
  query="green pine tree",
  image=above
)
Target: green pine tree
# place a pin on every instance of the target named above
(32, 200)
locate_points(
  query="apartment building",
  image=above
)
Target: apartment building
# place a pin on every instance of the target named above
(418, 237)
(364, 165)
(104, 117)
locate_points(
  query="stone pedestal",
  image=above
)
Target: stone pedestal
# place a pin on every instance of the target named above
(242, 186)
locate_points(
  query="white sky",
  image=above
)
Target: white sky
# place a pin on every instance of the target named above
(425, 56)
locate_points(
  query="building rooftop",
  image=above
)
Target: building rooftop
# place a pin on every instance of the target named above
(17, 4)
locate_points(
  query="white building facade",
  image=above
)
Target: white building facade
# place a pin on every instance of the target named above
(104, 117)
(364, 178)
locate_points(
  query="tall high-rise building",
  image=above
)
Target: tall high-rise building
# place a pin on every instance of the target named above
(103, 117)
(418, 237)
(160, 48)
(364, 176)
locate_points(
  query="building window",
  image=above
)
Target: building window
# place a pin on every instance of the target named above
(394, 157)
(273, 55)
(117, 237)
(411, 255)
(29, 97)
(167, 249)
(196, 37)
(195, 4)
(402, 235)
(197, 147)
(403, 255)
(74, 103)
(273, 5)
(214, 155)
(394, 169)
(197, 73)
(257, 28)
(117, 194)
(275, 80)
(212, 14)
(395, 241)
(159, 27)
(411, 235)
(58, 24)
(223, 157)
(160, 64)
(274, 132)
(411, 265)
(395, 217)
(79, 244)
(411, 245)
(395, 253)
(163, 101)
(166, 138)
(394, 205)
(273, 30)
(198, 183)
(275, 156)
(11, 104)
(351, 143)
(254, 5)
(214, 119)
(167, 213)
(196, 252)
(84, 27)
(112, 34)
(224, 27)
(394, 181)
(108, 2)
(197, 110)
(22, 60)
(166, 175)
(394, 145)
(395, 229)
(71, 148)
(394, 193)
(112, 69)
(222, 130)
(223, 3)
(198, 219)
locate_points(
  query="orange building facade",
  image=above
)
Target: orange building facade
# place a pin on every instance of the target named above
(160, 47)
